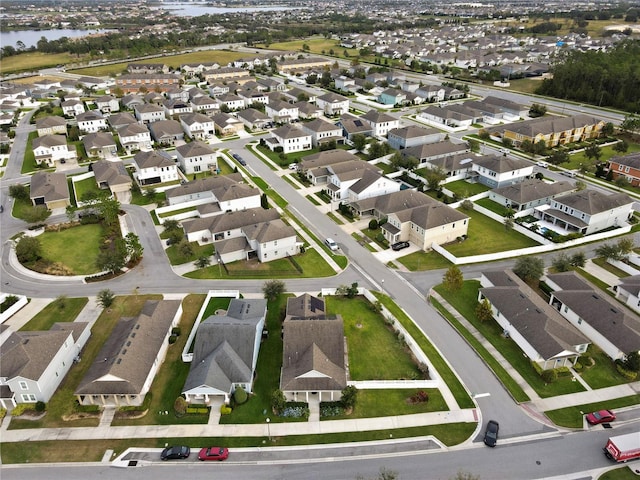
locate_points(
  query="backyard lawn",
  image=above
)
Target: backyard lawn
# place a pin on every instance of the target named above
(76, 248)
(488, 236)
(83, 187)
(369, 338)
(464, 189)
(62, 309)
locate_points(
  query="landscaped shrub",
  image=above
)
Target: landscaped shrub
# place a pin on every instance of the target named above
(240, 396)
(373, 224)
(419, 397)
(180, 406)
(3, 413)
(175, 331)
(586, 360)
(21, 408)
(197, 410)
(628, 374)
(295, 410)
(172, 339)
(331, 409)
(9, 301)
(225, 410)
(40, 407)
(549, 376)
(563, 372)
(278, 400)
(578, 367)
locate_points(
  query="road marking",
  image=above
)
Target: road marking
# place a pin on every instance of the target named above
(480, 395)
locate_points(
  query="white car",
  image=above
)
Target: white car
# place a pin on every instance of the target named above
(330, 242)
(542, 164)
(293, 166)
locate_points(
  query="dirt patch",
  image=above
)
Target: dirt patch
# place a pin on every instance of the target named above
(80, 415)
(130, 414)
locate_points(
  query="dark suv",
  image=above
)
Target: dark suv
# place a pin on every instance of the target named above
(399, 245)
(175, 452)
(491, 433)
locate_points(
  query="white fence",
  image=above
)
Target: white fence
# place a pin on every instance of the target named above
(9, 312)
(187, 357)
(625, 267)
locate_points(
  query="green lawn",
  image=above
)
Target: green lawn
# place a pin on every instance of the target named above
(31, 61)
(418, 261)
(373, 236)
(464, 189)
(62, 309)
(488, 236)
(29, 162)
(603, 373)
(176, 257)
(85, 186)
(576, 159)
(378, 403)
(168, 382)
(20, 207)
(571, 417)
(602, 263)
(76, 248)
(493, 206)
(61, 405)
(312, 199)
(465, 301)
(316, 45)
(621, 473)
(375, 352)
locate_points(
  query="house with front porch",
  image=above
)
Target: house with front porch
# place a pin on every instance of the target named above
(107, 104)
(198, 126)
(231, 101)
(290, 139)
(100, 145)
(281, 112)
(314, 356)
(135, 136)
(602, 319)
(195, 157)
(384, 205)
(254, 119)
(226, 225)
(315, 166)
(497, 171)
(227, 125)
(342, 176)
(72, 108)
(542, 334)
(155, 167)
(323, 132)
(225, 352)
(49, 149)
(91, 121)
(34, 363)
(113, 176)
(204, 104)
(166, 132)
(587, 211)
(123, 370)
(529, 193)
(50, 189)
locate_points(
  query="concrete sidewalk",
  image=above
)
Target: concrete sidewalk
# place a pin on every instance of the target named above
(599, 272)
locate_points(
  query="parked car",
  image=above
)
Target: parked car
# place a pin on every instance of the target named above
(175, 452)
(542, 164)
(400, 245)
(330, 242)
(213, 453)
(601, 416)
(491, 433)
(293, 166)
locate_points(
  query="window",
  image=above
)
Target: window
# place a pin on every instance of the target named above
(24, 386)
(28, 398)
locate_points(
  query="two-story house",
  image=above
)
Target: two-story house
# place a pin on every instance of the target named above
(380, 122)
(91, 121)
(135, 136)
(323, 132)
(100, 145)
(406, 137)
(73, 107)
(50, 149)
(333, 104)
(107, 104)
(51, 125)
(166, 132)
(198, 126)
(281, 112)
(290, 139)
(497, 171)
(155, 167)
(195, 157)
(627, 166)
(149, 112)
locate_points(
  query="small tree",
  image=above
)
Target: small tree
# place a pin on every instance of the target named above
(580, 185)
(529, 269)
(537, 110)
(349, 397)
(105, 298)
(508, 223)
(19, 192)
(467, 205)
(359, 142)
(593, 151)
(434, 177)
(240, 396)
(373, 224)
(28, 249)
(453, 279)
(483, 311)
(621, 147)
(180, 406)
(561, 263)
(203, 262)
(278, 400)
(185, 249)
(272, 289)
(36, 214)
(578, 259)
(113, 258)
(134, 247)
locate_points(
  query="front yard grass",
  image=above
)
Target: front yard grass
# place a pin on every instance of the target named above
(61, 405)
(373, 236)
(83, 187)
(368, 338)
(177, 258)
(29, 162)
(76, 248)
(465, 301)
(488, 236)
(602, 263)
(418, 261)
(385, 402)
(464, 189)
(572, 417)
(62, 309)
(168, 382)
(603, 373)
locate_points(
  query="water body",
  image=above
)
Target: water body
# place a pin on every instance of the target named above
(30, 37)
(198, 9)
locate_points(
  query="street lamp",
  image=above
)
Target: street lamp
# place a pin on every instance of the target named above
(269, 428)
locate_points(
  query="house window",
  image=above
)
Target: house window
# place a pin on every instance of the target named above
(24, 386)
(566, 309)
(28, 398)
(579, 321)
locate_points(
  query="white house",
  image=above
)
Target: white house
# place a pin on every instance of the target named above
(198, 126)
(72, 108)
(226, 192)
(371, 184)
(281, 112)
(290, 139)
(497, 171)
(107, 104)
(195, 157)
(323, 132)
(149, 112)
(91, 121)
(380, 122)
(155, 167)
(342, 176)
(101, 145)
(52, 148)
(333, 104)
(232, 101)
(135, 136)
(51, 125)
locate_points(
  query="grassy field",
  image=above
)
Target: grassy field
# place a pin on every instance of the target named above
(378, 403)
(418, 261)
(33, 61)
(76, 248)
(62, 309)
(369, 338)
(177, 258)
(488, 236)
(316, 45)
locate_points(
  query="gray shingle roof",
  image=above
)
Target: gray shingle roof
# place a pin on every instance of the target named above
(231, 220)
(594, 201)
(50, 186)
(533, 189)
(500, 163)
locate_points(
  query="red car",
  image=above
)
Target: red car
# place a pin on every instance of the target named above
(213, 453)
(601, 416)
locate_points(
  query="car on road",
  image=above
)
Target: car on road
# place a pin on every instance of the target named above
(176, 452)
(400, 245)
(239, 159)
(601, 416)
(569, 173)
(491, 433)
(213, 453)
(542, 164)
(331, 243)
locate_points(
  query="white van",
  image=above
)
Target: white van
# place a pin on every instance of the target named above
(330, 242)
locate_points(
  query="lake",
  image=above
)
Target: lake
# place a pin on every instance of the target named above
(30, 37)
(198, 9)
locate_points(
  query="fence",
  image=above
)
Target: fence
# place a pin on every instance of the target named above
(9, 312)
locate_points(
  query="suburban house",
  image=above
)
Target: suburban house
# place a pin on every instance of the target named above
(542, 334)
(315, 166)
(628, 291)
(149, 112)
(101, 145)
(254, 119)
(497, 171)
(344, 175)
(34, 363)
(454, 116)
(227, 124)
(124, 368)
(131, 100)
(384, 205)
(226, 191)
(323, 132)
(602, 319)
(513, 111)
(176, 106)
(121, 120)
(147, 68)
(290, 139)
(231, 101)
(50, 149)
(204, 104)
(425, 225)
(587, 211)
(456, 165)
(264, 241)
(344, 83)
(91, 121)
(73, 107)
(196, 157)
(392, 96)
(155, 167)
(51, 125)
(113, 175)
(227, 225)
(281, 112)
(432, 151)
(411, 136)
(333, 104)
(352, 125)
(50, 189)
(225, 352)
(166, 132)
(198, 126)
(225, 73)
(627, 166)
(135, 136)
(162, 82)
(552, 131)
(107, 104)
(529, 193)
(313, 358)
(380, 122)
